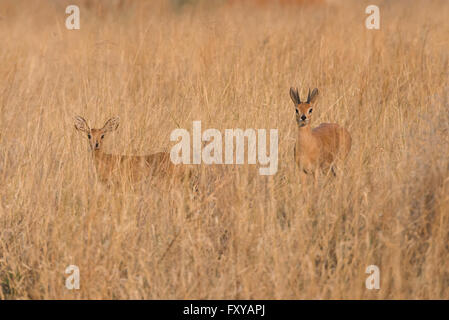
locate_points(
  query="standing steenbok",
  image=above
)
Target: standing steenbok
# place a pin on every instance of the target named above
(115, 168)
(320, 147)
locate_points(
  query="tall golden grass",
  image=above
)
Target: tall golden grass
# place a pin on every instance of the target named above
(241, 235)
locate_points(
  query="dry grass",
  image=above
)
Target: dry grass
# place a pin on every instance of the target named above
(243, 235)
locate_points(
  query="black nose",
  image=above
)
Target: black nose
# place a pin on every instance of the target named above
(303, 117)
(96, 145)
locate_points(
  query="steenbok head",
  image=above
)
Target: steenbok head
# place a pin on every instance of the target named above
(303, 109)
(96, 136)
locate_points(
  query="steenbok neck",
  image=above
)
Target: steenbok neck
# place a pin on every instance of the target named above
(98, 152)
(305, 136)
(305, 130)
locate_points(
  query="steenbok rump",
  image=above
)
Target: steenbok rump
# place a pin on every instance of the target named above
(320, 147)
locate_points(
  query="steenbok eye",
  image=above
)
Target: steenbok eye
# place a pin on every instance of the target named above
(310, 110)
(297, 111)
(89, 136)
(102, 136)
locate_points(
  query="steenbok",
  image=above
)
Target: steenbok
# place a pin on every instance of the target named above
(116, 168)
(320, 147)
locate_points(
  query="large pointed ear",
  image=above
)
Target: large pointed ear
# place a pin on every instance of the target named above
(81, 124)
(295, 96)
(111, 124)
(313, 96)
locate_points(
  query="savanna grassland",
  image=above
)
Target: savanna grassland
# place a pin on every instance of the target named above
(239, 235)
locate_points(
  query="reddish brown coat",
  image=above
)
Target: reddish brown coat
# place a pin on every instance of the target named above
(322, 146)
(113, 168)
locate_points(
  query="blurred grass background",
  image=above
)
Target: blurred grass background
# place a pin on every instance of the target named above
(160, 65)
